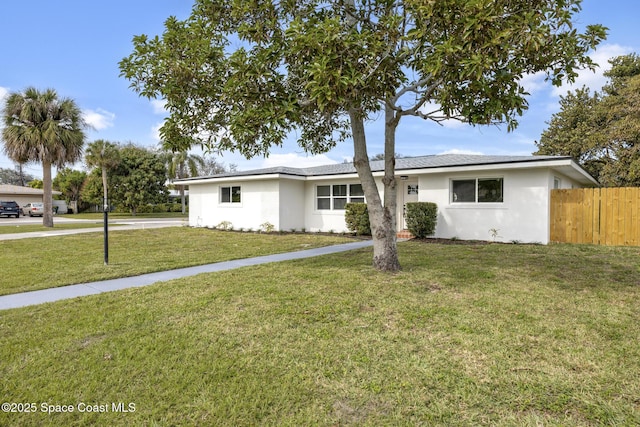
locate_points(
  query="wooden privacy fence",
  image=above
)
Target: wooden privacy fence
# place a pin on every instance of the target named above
(601, 216)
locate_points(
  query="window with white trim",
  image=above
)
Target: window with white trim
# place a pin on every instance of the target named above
(477, 190)
(230, 194)
(336, 196)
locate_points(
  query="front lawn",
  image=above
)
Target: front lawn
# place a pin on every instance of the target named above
(33, 264)
(465, 335)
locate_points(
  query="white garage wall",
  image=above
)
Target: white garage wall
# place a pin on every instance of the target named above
(197, 196)
(259, 204)
(291, 205)
(279, 202)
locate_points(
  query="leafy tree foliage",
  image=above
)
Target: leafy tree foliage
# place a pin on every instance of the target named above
(601, 130)
(92, 190)
(36, 183)
(40, 127)
(243, 76)
(13, 177)
(70, 183)
(139, 178)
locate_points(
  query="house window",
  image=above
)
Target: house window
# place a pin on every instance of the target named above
(230, 194)
(480, 190)
(412, 189)
(556, 183)
(339, 196)
(336, 197)
(356, 193)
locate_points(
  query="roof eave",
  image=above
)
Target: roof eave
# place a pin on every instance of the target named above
(236, 178)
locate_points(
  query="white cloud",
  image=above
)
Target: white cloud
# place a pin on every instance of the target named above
(3, 93)
(534, 82)
(99, 119)
(595, 80)
(155, 131)
(296, 160)
(158, 106)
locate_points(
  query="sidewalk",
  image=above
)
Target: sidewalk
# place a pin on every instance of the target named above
(113, 226)
(84, 289)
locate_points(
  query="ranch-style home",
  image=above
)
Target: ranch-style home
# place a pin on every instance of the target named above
(22, 195)
(502, 198)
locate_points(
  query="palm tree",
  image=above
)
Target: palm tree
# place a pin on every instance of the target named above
(40, 127)
(104, 155)
(183, 165)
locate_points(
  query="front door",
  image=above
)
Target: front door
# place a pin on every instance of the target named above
(407, 192)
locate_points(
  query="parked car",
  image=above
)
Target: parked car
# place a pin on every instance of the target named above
(33, 209)
(9, 208)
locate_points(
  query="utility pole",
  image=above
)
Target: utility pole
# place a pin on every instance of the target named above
(20, 173)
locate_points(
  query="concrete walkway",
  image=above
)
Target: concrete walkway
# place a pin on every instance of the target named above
(116, 225)
(73, 291)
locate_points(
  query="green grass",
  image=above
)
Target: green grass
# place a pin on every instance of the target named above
(33, 264)
(507, 335)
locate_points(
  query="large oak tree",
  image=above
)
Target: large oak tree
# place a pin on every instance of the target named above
(601, 130)
(243, 75)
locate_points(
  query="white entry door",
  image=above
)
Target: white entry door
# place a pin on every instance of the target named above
(408, 192)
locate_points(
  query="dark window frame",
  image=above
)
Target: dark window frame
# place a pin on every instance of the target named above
(230, 194)
(477, 190)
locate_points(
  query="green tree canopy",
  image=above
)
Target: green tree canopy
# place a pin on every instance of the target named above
(92, 191)
(139, 178)
(243, 76)
(601, 130)
(36, 183)
(43, 128)
(70, 182)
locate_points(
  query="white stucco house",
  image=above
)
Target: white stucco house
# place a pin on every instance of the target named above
(505, 198)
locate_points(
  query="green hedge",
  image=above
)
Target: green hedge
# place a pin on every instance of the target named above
(421, 218)
(356, 216)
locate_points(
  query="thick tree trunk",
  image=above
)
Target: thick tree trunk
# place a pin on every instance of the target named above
(47, 196)
(381, 216)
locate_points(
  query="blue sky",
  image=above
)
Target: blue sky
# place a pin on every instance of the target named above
(74, 46)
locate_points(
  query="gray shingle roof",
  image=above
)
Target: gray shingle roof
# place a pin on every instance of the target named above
(405, 163)
(9, 189)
